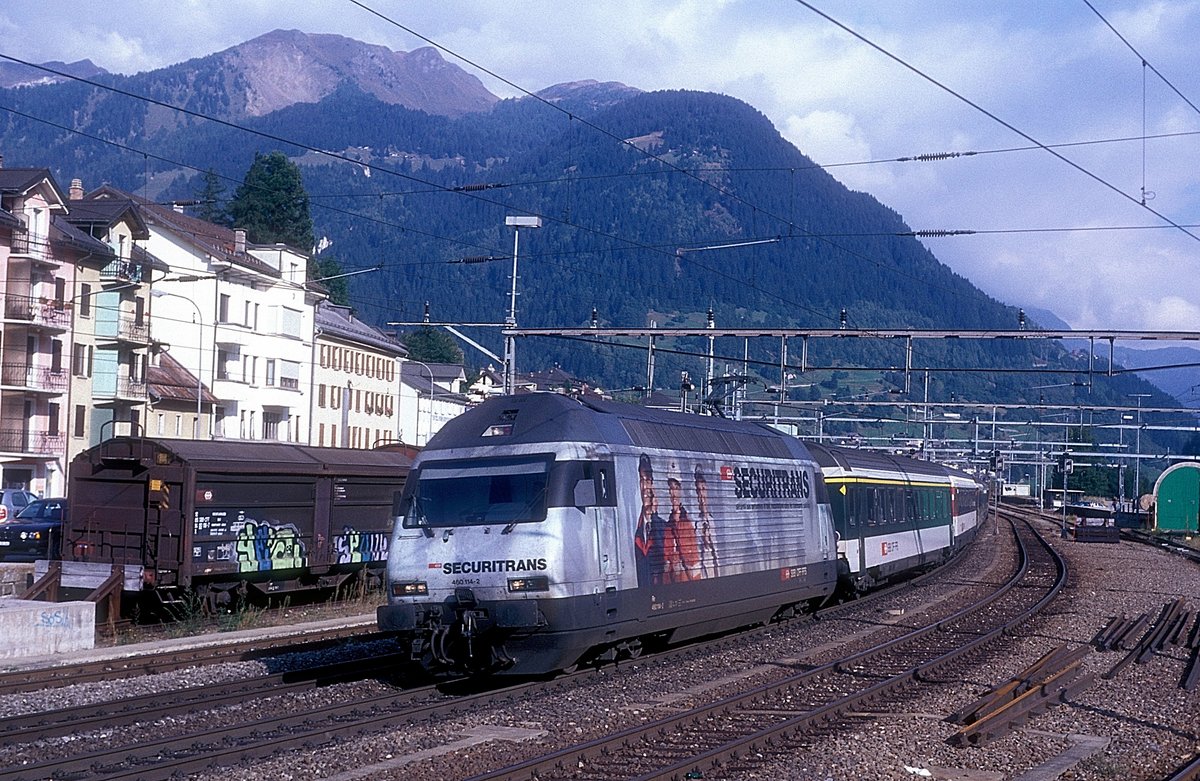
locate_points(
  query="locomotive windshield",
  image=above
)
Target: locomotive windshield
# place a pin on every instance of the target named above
(478, 492)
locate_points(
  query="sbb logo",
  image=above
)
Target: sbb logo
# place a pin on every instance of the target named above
(888, 547)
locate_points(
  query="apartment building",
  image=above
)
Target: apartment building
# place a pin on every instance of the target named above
(356, 378)
(112, 308)
(238, 316)
(38, 257)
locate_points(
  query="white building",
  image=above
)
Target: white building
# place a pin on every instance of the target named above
(238, 314)
(430, 395)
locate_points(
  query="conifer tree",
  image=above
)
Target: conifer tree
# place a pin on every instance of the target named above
(272, 205)
(211, 196)
(432, 345)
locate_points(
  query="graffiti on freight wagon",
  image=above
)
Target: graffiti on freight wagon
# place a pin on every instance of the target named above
(264, 546)
(355, 547)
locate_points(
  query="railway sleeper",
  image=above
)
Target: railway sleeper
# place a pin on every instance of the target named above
(1033, 702)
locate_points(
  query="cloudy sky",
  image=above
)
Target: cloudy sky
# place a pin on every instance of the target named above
(1087, 235)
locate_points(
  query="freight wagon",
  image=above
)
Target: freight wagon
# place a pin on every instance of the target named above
(221, 520)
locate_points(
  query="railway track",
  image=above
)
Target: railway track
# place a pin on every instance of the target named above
(201, 747)
(160, 661)
(808, 699)
(734, 733)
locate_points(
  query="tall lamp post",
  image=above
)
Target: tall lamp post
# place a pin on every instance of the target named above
(1137, 464)
(199, 353)
(510, 345)
(430, 373)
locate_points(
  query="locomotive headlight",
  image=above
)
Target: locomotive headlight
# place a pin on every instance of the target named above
(531, 583)
(416, 588)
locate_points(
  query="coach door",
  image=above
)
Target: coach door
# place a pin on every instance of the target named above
(608, 538)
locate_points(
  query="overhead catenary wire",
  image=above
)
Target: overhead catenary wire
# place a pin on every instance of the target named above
(993, 116)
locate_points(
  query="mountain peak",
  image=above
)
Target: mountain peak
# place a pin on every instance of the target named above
(587, 95)
(16, 75)
(284, 67)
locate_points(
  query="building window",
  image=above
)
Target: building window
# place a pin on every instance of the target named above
(247, 321)
(80, 420)
(324, 356)
(321, 395)
(60, 293)
(85, 300)
(81, 360)
(289, 322)
(162, 426)
(223, 357)
(270, 371)
(223, 308)
(52, 424)
(178, 425)
(56, 355)
(219, 421)
(289, 375)
(320, 435)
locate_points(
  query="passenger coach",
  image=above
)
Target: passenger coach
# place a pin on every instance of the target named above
(895, 514)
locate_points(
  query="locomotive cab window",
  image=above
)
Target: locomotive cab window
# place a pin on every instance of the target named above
(481, 492)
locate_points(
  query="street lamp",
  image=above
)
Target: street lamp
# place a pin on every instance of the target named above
(510, 346)
(1137, 464)
(199, 352)
(418, 431)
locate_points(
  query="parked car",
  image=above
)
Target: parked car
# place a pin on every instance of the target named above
(12, 501)
(36, 531)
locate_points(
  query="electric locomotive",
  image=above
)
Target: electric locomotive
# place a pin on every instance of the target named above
(538, 531)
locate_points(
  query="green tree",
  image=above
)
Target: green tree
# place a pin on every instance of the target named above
(271, 203)
(211, 196)
(432, 345)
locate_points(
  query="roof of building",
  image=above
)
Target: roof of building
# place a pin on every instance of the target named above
(169, 381)
(106, 212)
(20, 180)
(445, 372)
(64, 233)
(340, 322)
(215, 240)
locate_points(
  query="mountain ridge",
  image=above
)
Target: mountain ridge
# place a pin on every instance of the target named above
(427, 189)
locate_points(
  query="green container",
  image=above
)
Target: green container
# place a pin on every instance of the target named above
(1177, 499)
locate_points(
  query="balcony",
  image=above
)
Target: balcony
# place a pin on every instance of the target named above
(31, 249)
(133, 330)
(122, 270)
(33, 378)
(39, 312)
(39, 443)
(129, 388)
(126, 329)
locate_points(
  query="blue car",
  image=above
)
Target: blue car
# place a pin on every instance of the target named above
(34, 532)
